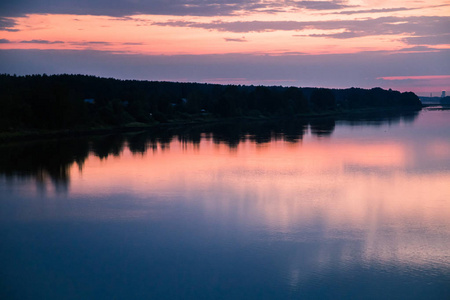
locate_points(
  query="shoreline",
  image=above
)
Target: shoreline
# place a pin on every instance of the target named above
(40, 134)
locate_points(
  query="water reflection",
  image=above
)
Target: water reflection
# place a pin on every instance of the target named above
(50, 160)
(43, 161)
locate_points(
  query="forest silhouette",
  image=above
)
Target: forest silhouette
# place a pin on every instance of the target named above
(66, 102)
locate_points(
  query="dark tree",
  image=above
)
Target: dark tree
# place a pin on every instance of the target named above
(323, 99)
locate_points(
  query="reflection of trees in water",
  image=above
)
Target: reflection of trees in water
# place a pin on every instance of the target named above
(390, 117)
(137, 143)
(258, 132)
(51, 160)
(108, 145)
(323, 127)
(188, 137)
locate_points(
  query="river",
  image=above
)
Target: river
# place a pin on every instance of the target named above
(325, 209)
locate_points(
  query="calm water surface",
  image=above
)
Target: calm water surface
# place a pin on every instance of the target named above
(331, 209)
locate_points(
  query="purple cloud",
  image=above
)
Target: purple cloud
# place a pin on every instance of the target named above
(240, 26)
(98, 43)
(133, 44)
(438, 39)
(365, 27)
(385, 10)
(41, 42)
(235, 39)
(422, 29)
(419, 49)
(91, 43)
(121, 8)
(7, 24)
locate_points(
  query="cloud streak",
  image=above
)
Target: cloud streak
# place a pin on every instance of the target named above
(7, 24)
(417, 27)
(386, 10)
(41, 42)
(439, 39)
(121, 8)
(235, 40)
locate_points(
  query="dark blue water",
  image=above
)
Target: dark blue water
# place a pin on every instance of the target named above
(340, 209)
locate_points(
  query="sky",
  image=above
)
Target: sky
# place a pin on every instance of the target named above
(398, 44)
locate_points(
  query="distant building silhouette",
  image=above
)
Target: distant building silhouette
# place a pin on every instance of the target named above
(443, 94)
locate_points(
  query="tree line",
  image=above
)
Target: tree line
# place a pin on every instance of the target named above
(81, 101)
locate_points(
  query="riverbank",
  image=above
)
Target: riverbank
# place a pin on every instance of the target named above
(203, 119)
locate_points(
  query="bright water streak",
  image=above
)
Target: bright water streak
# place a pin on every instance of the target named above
(361, 211)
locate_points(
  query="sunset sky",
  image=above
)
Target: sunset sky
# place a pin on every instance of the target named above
(396, 44)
